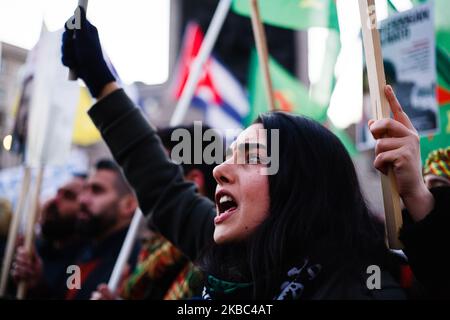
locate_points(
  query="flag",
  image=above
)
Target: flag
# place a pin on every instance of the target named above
(218, 94)
(344, 137)
(441, 139)
(290, 96)
(21, 110)
(62, 105)
(293, 14)
(305, 14)
(85, 133)
(442, 25)
(52, 104)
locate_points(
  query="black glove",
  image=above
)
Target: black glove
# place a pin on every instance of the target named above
(83, 54)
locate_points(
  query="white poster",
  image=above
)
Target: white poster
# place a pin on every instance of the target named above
(408, 44)
(52, 104)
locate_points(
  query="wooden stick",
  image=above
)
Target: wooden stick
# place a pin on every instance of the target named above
(263, 52)
(13, 229)
(380, 108)
(29, 235)
(125, 251)
(72, 73)
(197, 65)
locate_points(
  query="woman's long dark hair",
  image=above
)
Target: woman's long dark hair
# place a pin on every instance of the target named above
(317, 211)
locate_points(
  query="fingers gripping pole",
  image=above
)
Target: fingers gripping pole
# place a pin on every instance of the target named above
(377, 83)
(72, 74)
(31, 219)
(13, 228)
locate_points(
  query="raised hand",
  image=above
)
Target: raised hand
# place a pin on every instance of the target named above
(27, 267)
(82, 52)
(398, 146)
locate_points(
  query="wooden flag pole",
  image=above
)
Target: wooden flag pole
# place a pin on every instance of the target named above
(72, 74)
(197, 65)
(380, 108)
(125, 251)
(29, 235)
(263, 52)
(13, 229)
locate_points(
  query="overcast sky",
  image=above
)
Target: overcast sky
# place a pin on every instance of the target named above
(135, 33)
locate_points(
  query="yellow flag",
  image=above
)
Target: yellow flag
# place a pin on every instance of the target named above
(85, 133)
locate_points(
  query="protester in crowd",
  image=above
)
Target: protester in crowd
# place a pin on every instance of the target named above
(5, 219)
(57, 244)
(436, 171)
(302, 232)
(106, 206)
(163, 272)
(59, 215)
(424, 230)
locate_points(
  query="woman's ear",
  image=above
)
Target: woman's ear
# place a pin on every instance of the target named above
(197, 177)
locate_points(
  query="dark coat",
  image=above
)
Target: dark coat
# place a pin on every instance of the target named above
(427, 246)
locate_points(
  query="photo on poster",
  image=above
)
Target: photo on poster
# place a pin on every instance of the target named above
(408, 44)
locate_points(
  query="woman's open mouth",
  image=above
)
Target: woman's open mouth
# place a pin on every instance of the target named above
(226, 206)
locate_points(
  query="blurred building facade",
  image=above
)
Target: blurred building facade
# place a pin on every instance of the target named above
(11, 58)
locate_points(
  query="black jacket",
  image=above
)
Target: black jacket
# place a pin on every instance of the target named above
(427, 245)
(175, 209)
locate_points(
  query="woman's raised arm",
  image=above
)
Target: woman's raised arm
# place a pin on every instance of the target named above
(174, 206)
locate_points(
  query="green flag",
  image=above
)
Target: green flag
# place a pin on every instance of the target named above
(442, 25)
(304, 14)
(441, 139)
(293, 14)
(290, 96)
(344, 137)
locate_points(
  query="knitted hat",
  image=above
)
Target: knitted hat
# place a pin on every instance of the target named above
(438, 163)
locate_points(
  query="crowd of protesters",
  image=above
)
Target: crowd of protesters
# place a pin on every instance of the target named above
(230, 231)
